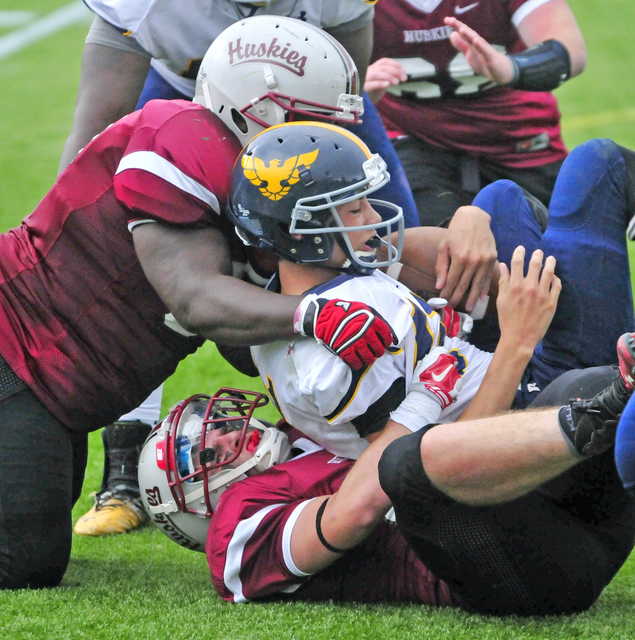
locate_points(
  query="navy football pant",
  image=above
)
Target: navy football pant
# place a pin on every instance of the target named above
(586, 234)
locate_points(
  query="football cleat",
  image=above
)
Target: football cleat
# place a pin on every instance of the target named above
(626, 359)
(111, 514)
(118, 507)
(590, 424)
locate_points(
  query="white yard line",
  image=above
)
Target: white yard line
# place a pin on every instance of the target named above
(52, 22)
(15, 18)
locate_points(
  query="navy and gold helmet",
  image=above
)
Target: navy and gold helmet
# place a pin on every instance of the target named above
(287, 183)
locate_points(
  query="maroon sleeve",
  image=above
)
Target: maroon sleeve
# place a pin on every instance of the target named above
(248, 545)
(177, 165)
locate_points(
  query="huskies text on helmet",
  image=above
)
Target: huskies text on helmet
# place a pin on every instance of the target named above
(265, 70)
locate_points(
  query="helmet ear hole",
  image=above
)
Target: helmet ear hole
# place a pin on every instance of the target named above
(239, 121)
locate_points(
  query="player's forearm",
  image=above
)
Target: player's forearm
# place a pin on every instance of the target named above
(351, 513)
(234, 312)
(496, 392)
(189, 270)
(418, 258)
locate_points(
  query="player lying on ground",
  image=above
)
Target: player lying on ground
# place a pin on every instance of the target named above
(506, 515)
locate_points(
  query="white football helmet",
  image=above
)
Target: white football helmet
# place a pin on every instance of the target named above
(180, 479)
(265, 70)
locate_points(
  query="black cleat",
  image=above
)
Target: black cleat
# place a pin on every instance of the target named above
(590, 424)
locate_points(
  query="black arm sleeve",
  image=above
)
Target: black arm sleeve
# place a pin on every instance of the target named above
(542, 67)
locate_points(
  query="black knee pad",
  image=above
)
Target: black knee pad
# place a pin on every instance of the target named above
(400, 469)
(576, 383)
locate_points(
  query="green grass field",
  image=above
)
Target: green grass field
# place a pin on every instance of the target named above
(142, 585)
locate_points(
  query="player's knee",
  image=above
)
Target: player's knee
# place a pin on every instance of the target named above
(400, 468)
(602, 149)
(498, 193)
(34, 562)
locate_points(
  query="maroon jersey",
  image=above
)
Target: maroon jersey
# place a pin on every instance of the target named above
(443, 103)
(249, 544)
(81, 325)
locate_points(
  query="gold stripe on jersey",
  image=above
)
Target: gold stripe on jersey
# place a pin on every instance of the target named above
(426, 337)
(269, 386)
(462, 362)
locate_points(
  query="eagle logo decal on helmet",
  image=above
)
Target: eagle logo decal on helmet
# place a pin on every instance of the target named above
(274, 180)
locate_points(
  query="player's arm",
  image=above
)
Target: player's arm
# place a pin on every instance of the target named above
(555, 20)
(525, 304)
(555, 49)
(110, 82)
(190, 270)
(349, 515)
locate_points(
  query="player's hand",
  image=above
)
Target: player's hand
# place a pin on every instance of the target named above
(438, 375)
(466, 259)
(485, 59)
(526, 303)
(457, 324)
(353, 331)
(435, 383)
(380, 75)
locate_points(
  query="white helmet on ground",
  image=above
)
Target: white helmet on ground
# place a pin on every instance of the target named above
(179, 478)
(266, 70)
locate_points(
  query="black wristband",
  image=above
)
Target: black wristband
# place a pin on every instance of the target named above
(542, 67)
(318, 530)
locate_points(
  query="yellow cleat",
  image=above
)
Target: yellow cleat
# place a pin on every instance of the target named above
(111, 515)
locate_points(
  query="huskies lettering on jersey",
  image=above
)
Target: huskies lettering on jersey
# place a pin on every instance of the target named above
(273, 52)
(275, 179)
(427, 35)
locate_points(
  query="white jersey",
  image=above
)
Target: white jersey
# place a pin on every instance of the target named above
(177, 33)
(319, 394)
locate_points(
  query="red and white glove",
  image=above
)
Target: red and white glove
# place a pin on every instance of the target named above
(435, 383)
(354, 331)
